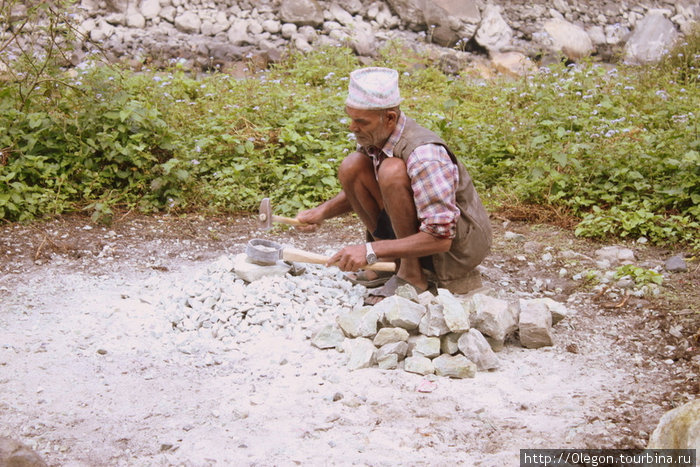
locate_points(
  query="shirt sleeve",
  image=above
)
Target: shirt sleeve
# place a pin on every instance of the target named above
(434, 178)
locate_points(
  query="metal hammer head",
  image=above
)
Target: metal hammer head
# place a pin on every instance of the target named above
(265, 214)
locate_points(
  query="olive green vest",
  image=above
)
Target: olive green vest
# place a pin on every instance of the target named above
(473, 239)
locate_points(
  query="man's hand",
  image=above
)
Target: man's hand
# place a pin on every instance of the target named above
(312, 218)
(350, 258)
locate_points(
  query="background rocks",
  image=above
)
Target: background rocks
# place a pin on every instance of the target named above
(210, 33)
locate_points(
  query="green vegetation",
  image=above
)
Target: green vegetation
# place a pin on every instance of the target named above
(616, 149)
(640, 275)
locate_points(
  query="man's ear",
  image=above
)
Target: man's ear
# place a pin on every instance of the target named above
(392, 116)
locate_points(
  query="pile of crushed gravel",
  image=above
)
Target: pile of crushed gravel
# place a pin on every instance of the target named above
(218, 303)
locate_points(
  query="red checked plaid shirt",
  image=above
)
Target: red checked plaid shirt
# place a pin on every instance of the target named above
(434, 178)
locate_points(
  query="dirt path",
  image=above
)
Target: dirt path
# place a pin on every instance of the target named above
(92, 374)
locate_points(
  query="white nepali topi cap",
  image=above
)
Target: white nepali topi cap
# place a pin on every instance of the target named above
(373, 88)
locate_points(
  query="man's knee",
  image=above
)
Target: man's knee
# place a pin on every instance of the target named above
(353, 166)
(392, 174)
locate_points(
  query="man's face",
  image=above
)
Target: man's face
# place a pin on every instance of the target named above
(371, 127)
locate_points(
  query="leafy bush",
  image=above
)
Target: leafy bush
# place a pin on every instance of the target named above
(615, 147)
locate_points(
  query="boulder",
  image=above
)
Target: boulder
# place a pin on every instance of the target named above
(653, 37)
(433, 321)
(301, 12)
(513, 64)
(457, 366)
(449, 343)
(410, 12)
(475, 347)
(360, 353)
(419, 364)
(150, 9)
(388, 362)
(329, 336)
(361, 322)
(558, 310)
(678, 428)
(134, 19)
(455, 313)
(400, 312)
(424, 345)
(400, 349)
(452, 21)
(494, 34)
(495, 318)
(571, 40)
(238, 33)
(535, 325)
(188, 22)
(614, 255)
(390, 335)
(676, 264)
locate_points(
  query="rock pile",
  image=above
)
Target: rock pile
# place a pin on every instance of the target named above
(206, 33)
(438, 334)
(234, 300)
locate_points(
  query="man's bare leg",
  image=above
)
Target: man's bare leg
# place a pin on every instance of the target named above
(397, 195)
(356, 175)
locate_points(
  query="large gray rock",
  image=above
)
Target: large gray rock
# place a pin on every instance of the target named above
(457, 366)
(433, 321)
(456, 313)
(495, 318)
(410, 12)
(475, 347)
(301, 12)
(676, 264)
(653, 37)
(535, 325)
(238, 33)
(419, 364)
(558, 310)
(688, 14)
(494, 34)
(678, 428)
(388, 362)
(400, 312)
(452, 21)
(188, 22)
(513, 63)
(360, 353)
(329, 336)
(449, 343)
(400, 349)
(361, 322)
(134, 19)
(150, 9)
(614, 255)
(569, 39)
(362, 39)
(424, 345)
(390, 335)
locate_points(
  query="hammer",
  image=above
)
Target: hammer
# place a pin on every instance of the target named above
(266, 218)
(267, 252)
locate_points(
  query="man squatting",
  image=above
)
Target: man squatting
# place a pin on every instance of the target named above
(413, 195)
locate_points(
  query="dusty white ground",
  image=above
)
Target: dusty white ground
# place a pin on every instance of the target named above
(92, 374)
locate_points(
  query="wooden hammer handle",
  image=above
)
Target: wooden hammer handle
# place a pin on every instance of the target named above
(287, 220)
(292, 254)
